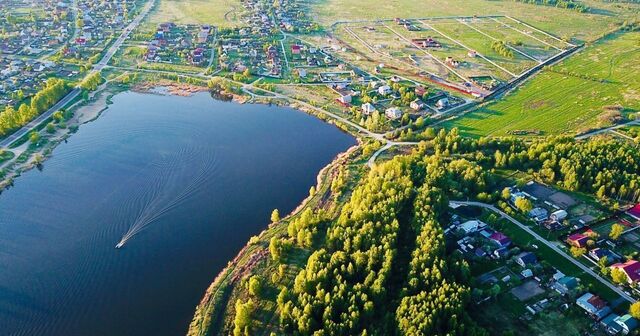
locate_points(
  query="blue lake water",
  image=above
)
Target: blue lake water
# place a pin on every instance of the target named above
(187, 180)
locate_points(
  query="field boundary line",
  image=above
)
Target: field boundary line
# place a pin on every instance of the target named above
(469, 49)
(507, 45)
(525, 33)
(427, 53)
(539, 30)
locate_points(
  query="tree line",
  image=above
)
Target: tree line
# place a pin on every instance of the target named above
(12, 119)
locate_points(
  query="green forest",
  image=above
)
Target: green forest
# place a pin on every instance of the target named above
(383, 267)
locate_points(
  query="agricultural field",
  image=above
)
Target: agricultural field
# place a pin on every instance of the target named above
(471, 55)
(213, 12)
(564, 23)
(591, 89)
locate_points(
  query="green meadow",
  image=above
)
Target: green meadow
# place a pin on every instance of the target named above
(583, 92)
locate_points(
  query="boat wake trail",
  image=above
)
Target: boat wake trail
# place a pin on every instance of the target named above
(178, 177)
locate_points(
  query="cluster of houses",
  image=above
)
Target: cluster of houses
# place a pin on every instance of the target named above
(252, 48)
(34, 28)
(598, 309)
(98, 22)
(26, 77)
(478, 240)
(475, 239)
(600, 249)
(381, 93)
(304, 58)
(291, 17)
(180, 44)
(546, 212)
(258, 17)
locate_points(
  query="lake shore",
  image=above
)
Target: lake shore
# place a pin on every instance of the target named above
(113, 139)
(209, 311)
(87, 111)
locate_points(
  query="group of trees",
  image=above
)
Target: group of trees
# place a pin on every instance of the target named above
(569, 4)
(435, 295)
(12, 119)
(604, 167)
(304, 229)
(502, 49)
(351, 284)
(344, 284)
(91, 82)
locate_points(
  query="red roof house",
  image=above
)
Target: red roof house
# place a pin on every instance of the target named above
(500, 239)
(420, 90)
(631, 268)
(295, 49)
(578, 240)
(634, 212)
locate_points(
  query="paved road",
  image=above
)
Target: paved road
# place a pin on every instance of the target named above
(548, 244)
(605, 130)
(6, 142)
(124, 35)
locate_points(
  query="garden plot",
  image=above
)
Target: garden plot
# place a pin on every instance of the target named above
(473, 40)
(471, 55)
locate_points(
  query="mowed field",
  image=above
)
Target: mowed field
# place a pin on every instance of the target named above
(215, 12)
(562, 22)
(569, 97)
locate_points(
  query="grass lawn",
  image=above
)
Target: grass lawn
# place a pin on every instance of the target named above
(501, 317)
(568, 97)
(562, 22)
(196, 12)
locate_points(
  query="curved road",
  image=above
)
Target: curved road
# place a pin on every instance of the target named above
(548, 244)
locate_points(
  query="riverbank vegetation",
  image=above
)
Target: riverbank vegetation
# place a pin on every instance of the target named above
(377, 262)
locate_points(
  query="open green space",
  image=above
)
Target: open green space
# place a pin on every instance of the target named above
(562, 22)
(505, 317)
(215, 12)
(588, 90)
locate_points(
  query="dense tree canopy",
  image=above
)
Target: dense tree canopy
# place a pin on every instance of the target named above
(12, 119)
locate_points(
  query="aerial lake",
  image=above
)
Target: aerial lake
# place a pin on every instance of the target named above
(181, 183)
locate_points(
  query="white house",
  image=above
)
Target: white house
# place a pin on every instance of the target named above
(384, 90)
(368, 108)
(345, 98)
(417, 105)
(442, 103)
(471, 226)
(393, 113)
(559, 215)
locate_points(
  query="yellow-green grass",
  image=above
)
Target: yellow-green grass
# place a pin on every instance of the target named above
(563, 22)
(221, 13)
(481, 43)
(569, 97)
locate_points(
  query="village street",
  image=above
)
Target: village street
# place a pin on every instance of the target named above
(547, 243)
